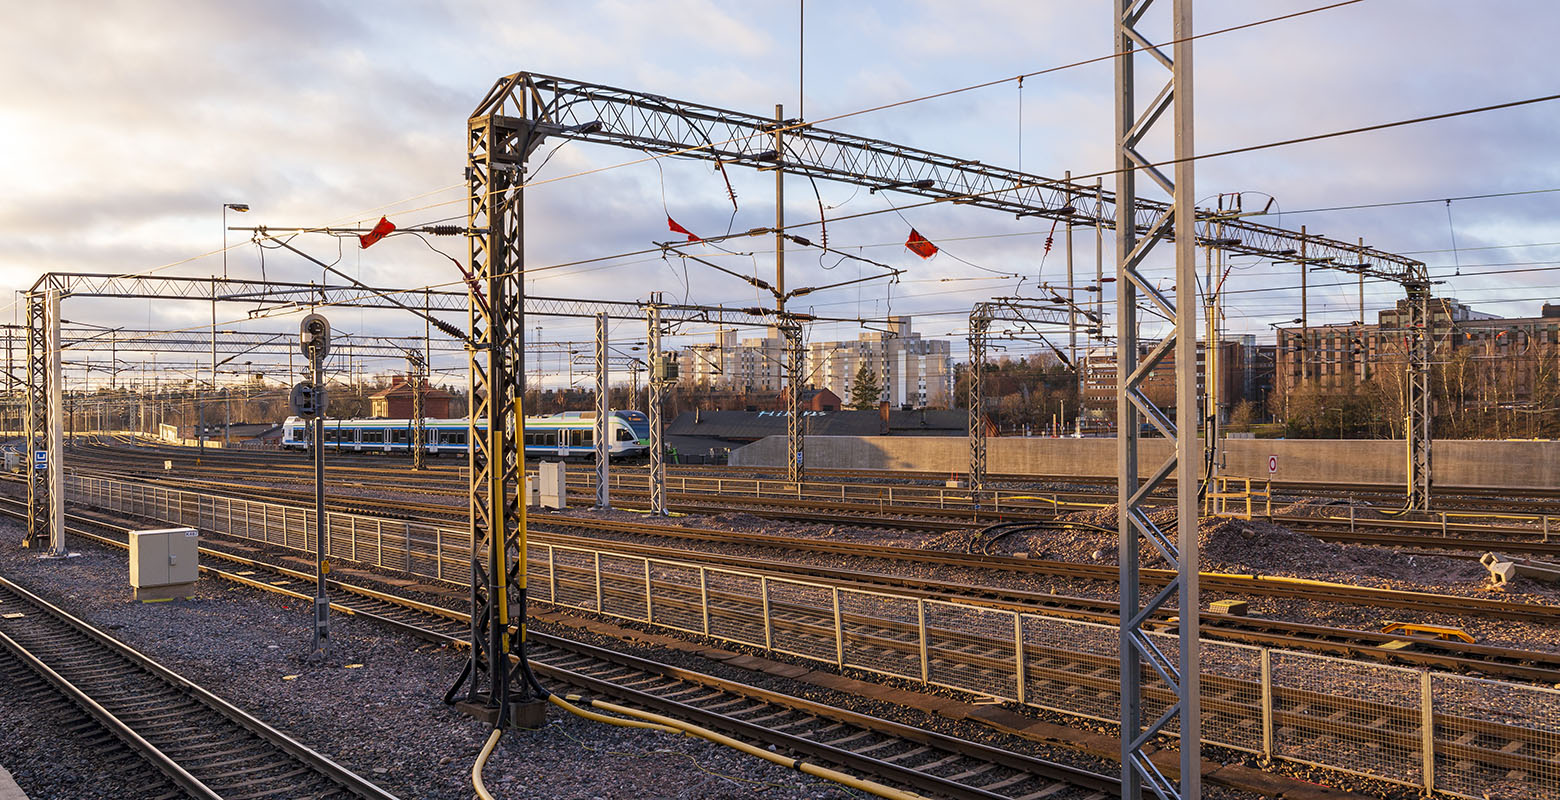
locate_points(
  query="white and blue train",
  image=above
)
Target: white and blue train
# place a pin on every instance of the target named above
(565, 435)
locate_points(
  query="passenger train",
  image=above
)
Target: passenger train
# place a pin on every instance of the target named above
(569, 434)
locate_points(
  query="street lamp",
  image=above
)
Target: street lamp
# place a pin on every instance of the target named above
(239, 207)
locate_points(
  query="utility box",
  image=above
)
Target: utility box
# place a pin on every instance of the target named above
(532, 498)
(13, 461)
(554, 486)
(164, 563)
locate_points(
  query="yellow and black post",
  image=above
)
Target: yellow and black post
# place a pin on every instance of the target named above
(500, 687)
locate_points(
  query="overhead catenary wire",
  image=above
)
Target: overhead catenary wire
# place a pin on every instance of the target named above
(793, 126)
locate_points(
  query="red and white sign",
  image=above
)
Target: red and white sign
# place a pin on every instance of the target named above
(1272, 464)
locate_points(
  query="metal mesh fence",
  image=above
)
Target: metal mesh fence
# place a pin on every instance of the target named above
(539, 571)
(1232, 695)
(1072, 667)
(972, 648)
(1494, 739)
(678, 596)
(574, 578)
(624, 590)
(736, 606)
(882, 633)
(802, 619)
(1362, 718)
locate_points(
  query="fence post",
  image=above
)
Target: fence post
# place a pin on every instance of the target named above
(1443, 523)
(1018, 657)
(379, 542)
(596, 554)
(704, 598)
(438, 551)
(1546, 527)
(1427, 729)
(649, 598)
(839, 631)
(769, 633)
(920, 625)
(552, 574)
(1267, 704)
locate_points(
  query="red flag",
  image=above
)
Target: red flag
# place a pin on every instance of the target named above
(920, 245)
(675, 228)
(380, 231)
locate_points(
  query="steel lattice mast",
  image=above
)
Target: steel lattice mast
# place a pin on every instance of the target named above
(498, 681)
(1005, 309)
(1143, 657)
(37, 421)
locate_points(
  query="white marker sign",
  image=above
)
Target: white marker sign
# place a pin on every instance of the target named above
(1272, 464)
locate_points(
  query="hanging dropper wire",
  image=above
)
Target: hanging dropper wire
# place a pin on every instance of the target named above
(1456, 259)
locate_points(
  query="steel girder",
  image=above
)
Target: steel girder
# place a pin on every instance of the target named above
(661, 125)
(122, 340)
(239, 290)
(1004, 309)
(37, 420)
(1141, 657)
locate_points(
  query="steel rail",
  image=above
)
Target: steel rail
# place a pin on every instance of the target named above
(90, 645)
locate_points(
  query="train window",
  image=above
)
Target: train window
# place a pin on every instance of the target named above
(452, 437)
(584, 438)
(330, 435)
(373, 437)
(400, 435)
(625, 435)
(542, 439)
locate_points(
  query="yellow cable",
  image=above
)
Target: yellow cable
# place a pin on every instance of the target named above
(594, 717)
(870, 787)
(476, 768)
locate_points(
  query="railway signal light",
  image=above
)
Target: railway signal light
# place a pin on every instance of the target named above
(308, 400)
(314, 334)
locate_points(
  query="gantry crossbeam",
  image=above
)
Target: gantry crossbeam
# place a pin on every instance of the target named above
(1026, 314)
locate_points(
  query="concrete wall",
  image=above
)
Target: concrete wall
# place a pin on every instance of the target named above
(1456, 463)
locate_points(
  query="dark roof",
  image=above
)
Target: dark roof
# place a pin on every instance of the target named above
(402, 388)
(750, 426)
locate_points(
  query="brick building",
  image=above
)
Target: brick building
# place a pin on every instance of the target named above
(395, 400)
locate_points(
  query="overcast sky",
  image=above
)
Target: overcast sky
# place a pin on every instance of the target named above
(127, 125)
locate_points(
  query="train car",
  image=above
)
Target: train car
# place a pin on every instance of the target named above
(571, 434)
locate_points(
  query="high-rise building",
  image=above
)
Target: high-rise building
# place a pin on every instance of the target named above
(910, 370)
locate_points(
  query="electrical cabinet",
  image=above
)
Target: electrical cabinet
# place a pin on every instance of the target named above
(554, 489)
(164, 563)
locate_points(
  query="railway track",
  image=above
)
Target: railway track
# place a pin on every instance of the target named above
(206, 746)
(934, 509)
(391, 468)
(1525, 665)
(920, 760)
(114, 760)
(1356, 718)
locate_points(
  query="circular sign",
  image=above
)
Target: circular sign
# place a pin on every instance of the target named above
(1272, 464)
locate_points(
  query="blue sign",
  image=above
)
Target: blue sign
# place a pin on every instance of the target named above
(40, 459)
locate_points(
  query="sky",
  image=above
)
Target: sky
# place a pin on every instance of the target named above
(127, 125)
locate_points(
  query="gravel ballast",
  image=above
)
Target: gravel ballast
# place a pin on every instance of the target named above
(383, 719)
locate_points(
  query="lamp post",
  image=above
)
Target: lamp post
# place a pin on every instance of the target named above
(239, 207)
